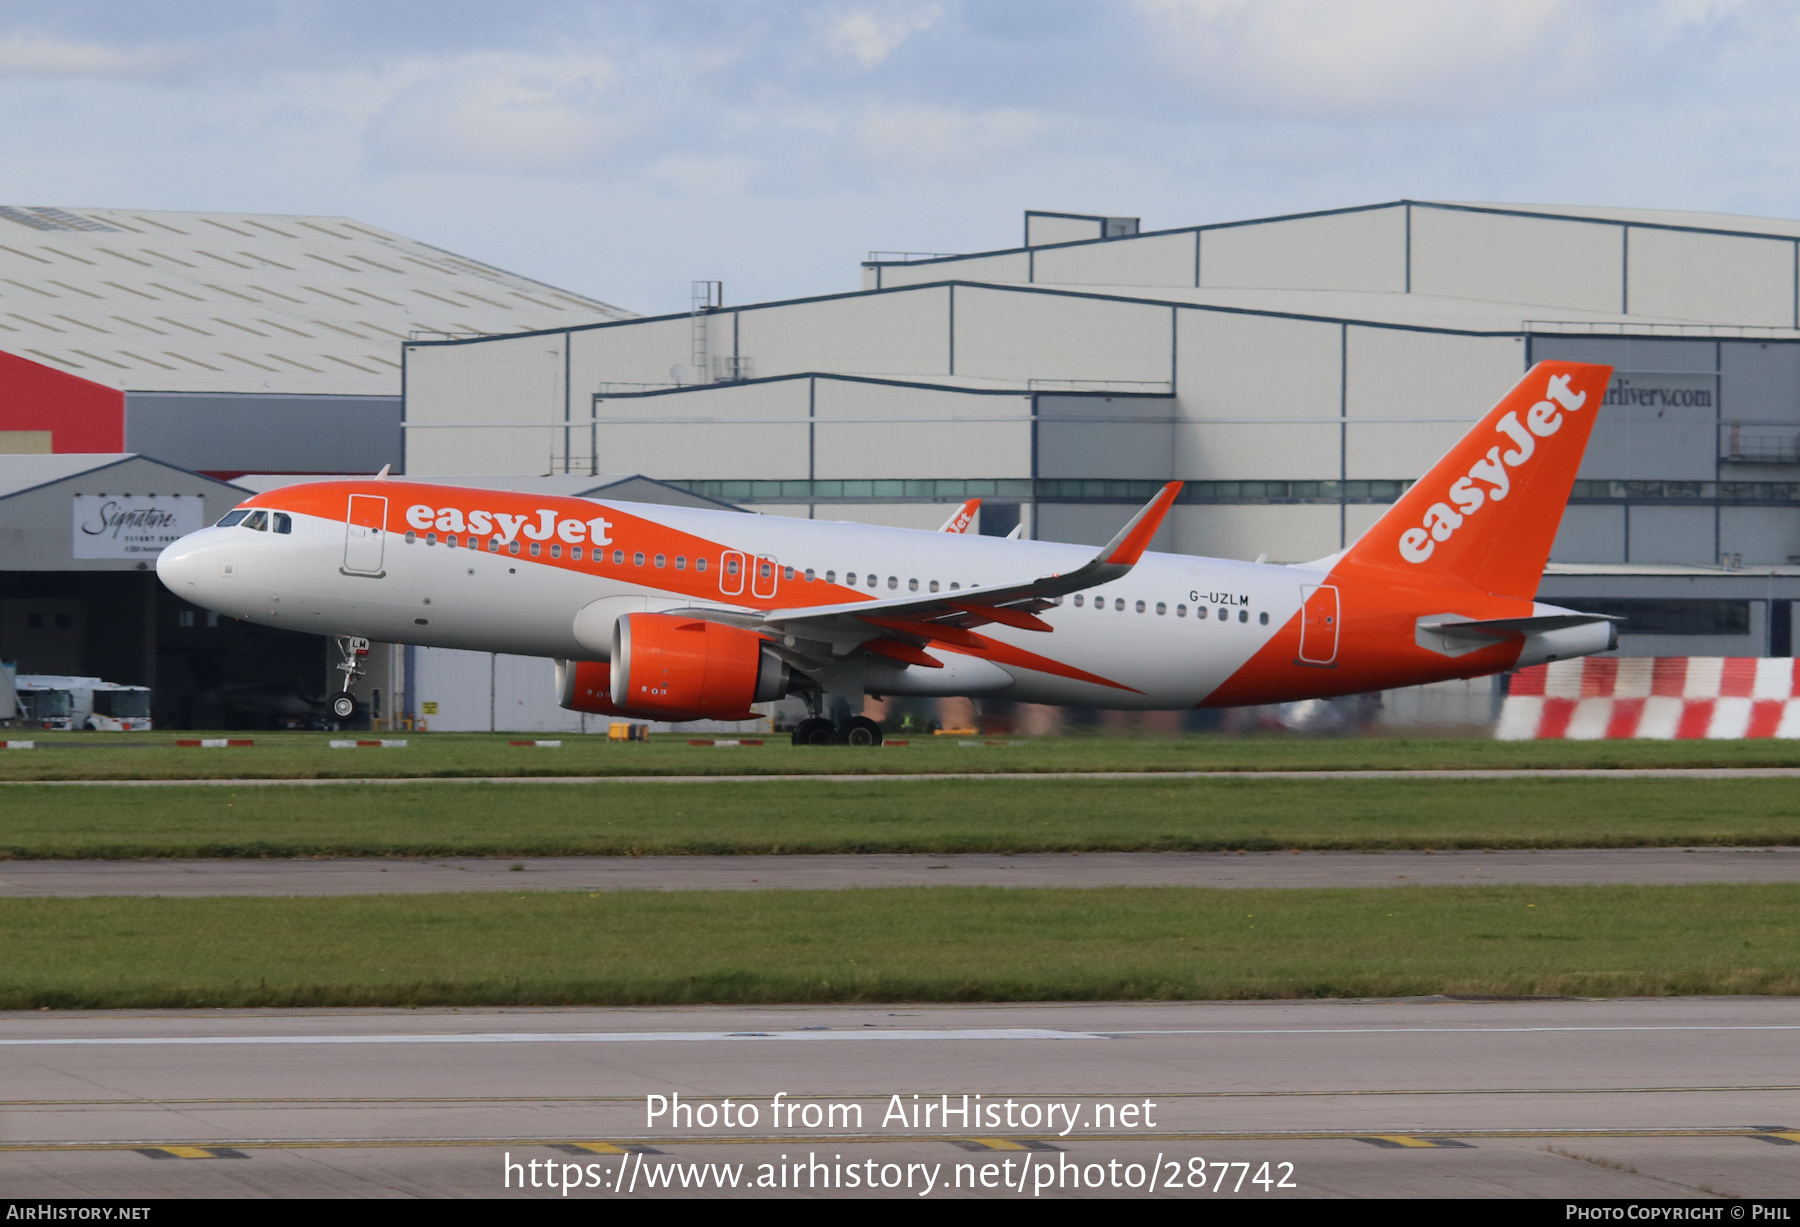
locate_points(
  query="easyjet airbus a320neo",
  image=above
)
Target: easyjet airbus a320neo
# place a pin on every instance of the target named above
(673, 613)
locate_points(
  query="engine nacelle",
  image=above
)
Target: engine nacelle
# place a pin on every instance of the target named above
(690, 669)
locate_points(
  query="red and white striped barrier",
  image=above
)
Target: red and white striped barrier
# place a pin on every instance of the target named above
(1662, 697)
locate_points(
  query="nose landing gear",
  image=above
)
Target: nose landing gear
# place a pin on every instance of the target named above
(354, 649)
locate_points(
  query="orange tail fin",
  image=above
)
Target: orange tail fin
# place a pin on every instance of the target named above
(1486, 514)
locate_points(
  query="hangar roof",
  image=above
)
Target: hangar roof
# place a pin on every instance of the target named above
(146, 300)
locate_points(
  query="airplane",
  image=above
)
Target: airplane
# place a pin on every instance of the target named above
(676, 614)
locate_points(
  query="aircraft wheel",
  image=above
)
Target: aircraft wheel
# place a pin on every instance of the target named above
(859, 731)
(814, 731)
(343, 707)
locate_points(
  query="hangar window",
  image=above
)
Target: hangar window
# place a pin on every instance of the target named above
(1674, 617)
(699, 564)
(232, 517)
(284, 523)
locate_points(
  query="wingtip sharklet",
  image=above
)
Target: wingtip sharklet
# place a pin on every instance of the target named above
(1125, 549)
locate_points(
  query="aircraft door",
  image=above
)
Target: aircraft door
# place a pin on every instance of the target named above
(768, 573)
(365, 536)
(1318, 624)
(731, 573)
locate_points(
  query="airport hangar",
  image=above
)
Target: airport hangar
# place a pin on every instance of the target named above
(148, 361)
(1298, 372)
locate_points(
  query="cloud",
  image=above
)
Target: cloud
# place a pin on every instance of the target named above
(923, 140)
(1344, 58)
(37, 55)
(869, 37)
(503, 113)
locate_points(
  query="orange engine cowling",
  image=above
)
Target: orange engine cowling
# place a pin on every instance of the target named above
(680, 668)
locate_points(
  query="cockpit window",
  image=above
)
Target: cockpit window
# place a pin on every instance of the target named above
(259, 520)
(233, 516)
(284, 523)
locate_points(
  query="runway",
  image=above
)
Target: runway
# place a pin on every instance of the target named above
(1662, 1098)
(1550, 867)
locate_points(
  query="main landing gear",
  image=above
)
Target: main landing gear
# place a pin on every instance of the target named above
(816, 730)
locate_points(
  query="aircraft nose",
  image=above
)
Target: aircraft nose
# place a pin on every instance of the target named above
(178, 566)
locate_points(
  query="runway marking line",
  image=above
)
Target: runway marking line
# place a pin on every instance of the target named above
(603, 1148)
(1001, 1144)
(776, 1037)
(190, 1152)
(1407, 1141)
(228, 1149)
(1780, 1137)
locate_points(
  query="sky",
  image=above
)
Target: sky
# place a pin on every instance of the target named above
(622, 149)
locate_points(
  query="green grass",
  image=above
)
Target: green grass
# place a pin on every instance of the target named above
(941, 944)
(307, 755)
(986, 815)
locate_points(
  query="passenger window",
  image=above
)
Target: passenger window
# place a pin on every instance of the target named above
(787, 573)
(259, 520)
(662, 560)
(1263, 618)
(809, 575)
(536, 549)
(934, 585)
(618, 558)
(512, 547)
(912, 585)
(284, 523)
(411, 536)
(699, 564)
(232, 517)
(831, 577)
(954, 587)
(1079, 600)
(873, 580)
(1243, 615)
(556, 551)
(681, 562)
(893, 582)
(493, 545)
(1119, 604)
(1140, 607)
(637, 560)
(1200, 613)
(430, 538)
(1181, 611)
(574, 550)
(1161, 608)
(731, 565)
(850, 578)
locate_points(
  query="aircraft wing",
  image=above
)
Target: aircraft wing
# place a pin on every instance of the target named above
(950, 616)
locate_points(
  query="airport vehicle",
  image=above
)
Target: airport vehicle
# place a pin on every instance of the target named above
(56, 701)
(673, 613)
